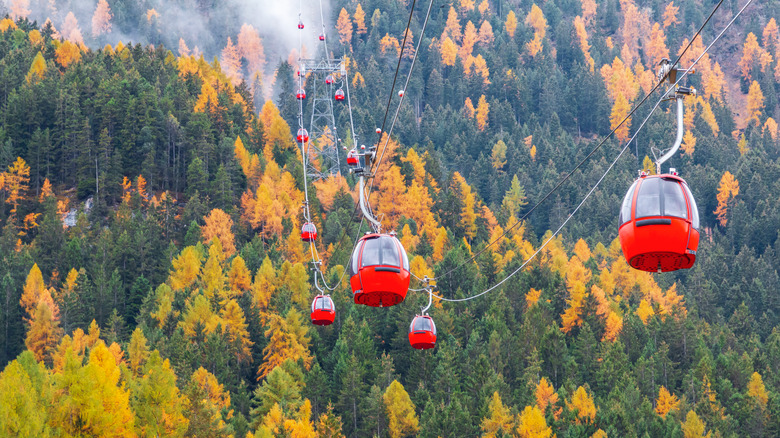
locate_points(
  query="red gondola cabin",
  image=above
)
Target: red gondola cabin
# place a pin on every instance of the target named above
(339, 94)
(379, 271)
(300, 94)
(659, 224)
(352, 158)
(308, 232)
(422, 333)
(303, 136)
(300, 24)
(323, 312)
(329, 79)
(322, 37)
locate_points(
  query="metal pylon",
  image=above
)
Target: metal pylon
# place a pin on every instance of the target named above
(323, 154)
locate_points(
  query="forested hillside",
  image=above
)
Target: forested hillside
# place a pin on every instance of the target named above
(153, 281)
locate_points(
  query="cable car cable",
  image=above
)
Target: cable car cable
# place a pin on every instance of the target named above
(397, 69)
(406, 85)
(587, 157)
(414, 57)
(622, 151)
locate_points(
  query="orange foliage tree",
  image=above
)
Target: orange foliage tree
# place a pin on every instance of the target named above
(67, 53)
(219, 224)
(360, 20)
(230, 61)
(250, 47)
(535, 19)
(670, 15)
(101, 19)
(620, 110)
(755, 103)
(16, 183)
(449, 52)
(666, 402)
(344, 27)
(511, 23)
(582, 35)
(727, 189)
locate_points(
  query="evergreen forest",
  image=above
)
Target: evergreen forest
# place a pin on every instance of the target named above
(153, 280)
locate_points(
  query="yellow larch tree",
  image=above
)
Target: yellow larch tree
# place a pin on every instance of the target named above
(101, 19)
(360, 20)
(770, 37)
(582, 35)
(751, 51)
(199, 318)
(287, 339)
(34, 291)
(619, 80)
(163, 298)
(91, 401)
(138, 350)
(511, 24)
(588, 10)
(19, 9)
(689, 144)
(401, 415)
(727, 189)
(16, 182)
(239, 278)
(449, 52)
(44, 333)
(218, 224)
(408, 48)
(452, 26)
(186, 268)
(468, 108)
(230, 61)
(37, 69)
(216, 399)
(582, 403)
(390, 194)
(545, 395)
(468, 215)
(770, 126)
(644, 311)
(212, 276)
(344, 27)
(531, 424)
(693, 427)
(389, 44)
(481, 114)
(466, 6)
(532, 297)
(263, 286)
(656, 48)
(620, 110)
(670, 15)
(156, 401)
(235, 327)
(71, 30)
(250, 47)
(498, 155)
(486, 37)
(329, 188)
(535, 19)
(755, 104)
(613, 327)
(666, 402)
(499, 421)
(470, 38)
(757, 391)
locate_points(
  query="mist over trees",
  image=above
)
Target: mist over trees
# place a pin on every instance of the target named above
(152, 277)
